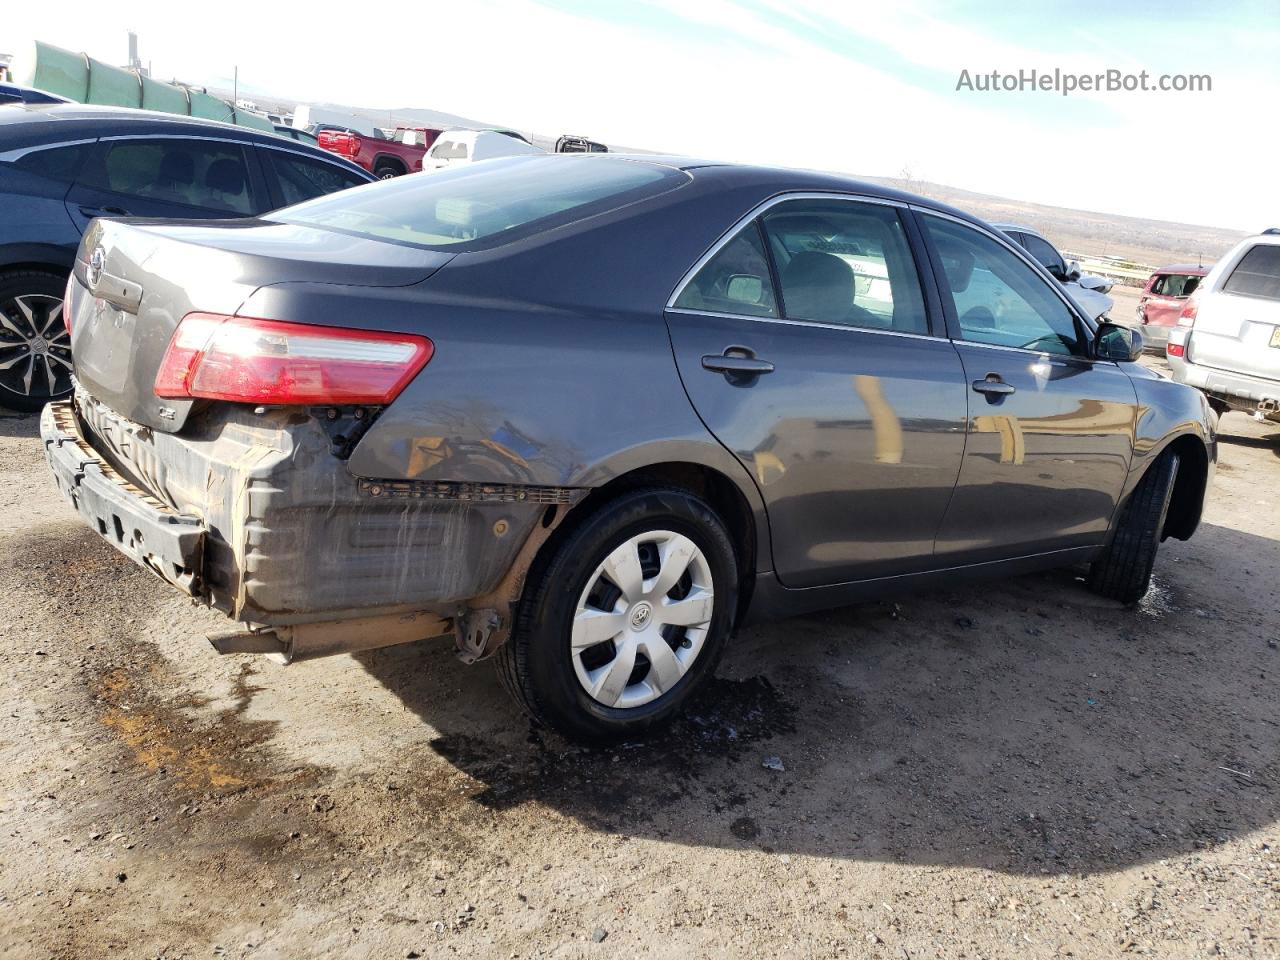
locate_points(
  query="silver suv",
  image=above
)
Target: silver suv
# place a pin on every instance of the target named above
(1227, 341)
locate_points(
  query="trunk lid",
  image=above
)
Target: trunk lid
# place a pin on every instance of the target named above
(134, 280)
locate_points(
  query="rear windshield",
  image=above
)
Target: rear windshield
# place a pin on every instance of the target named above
(1175, 285)
(494, 200)
(1257, 274)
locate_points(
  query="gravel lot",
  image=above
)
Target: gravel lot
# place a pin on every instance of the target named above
(1016, 769)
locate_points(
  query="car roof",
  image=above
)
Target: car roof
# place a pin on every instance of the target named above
(1190, 269)
(783, 180)
(28, 125)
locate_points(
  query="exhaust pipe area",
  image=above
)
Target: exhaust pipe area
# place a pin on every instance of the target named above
(310, 641)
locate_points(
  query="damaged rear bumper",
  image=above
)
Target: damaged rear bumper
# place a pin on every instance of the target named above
(147, 531)
(253, 514)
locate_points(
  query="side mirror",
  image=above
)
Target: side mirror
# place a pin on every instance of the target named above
(1114, 342)
(1073, 271)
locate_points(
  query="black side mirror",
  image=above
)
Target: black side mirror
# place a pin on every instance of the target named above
(1118, 343)
(1073, 272)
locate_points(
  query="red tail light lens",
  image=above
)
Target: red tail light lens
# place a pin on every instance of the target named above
(1187, 318)
(343, 144)
(1175, 350)
(246, 360)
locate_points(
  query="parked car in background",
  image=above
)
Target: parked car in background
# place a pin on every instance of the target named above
(1227, 341)
(293, 133)
(1089, 291)
(62, 165)
(467, 146)
(316, 118)
(13, 93)
(1162, 301)
(573, 144)
(589, 413)
(384, 158)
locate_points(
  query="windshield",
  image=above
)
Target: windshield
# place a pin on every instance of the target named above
(476, 202)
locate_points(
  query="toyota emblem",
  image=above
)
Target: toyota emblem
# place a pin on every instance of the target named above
(97, 261)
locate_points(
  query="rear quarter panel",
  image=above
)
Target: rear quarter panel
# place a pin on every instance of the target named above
(552, 363)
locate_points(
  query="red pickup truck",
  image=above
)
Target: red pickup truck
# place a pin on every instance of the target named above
(383, 158)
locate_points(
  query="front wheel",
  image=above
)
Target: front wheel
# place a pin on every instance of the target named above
(1123, 572)
(625, 618)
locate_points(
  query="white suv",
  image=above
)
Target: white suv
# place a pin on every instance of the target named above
(1227, 341)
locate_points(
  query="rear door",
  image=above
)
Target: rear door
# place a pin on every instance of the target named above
(1237, 326)
(1050, 431)
(178, 177)
(804, 342)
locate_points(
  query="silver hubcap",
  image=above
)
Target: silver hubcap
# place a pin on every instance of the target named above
(35, 348)
(642, 619)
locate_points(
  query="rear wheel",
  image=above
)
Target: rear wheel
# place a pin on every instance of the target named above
(625, 619)
(1123, 572)
(387, 171)
(35, 348)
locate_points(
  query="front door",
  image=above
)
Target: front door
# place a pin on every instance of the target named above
(805, 347)
(1050, 433)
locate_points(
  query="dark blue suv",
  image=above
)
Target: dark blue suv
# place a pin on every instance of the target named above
(61, 165)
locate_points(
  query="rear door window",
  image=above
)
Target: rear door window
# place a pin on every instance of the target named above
(206, 174)
(304, 178)
(1257, 274)
(845, 262)
(734, 281)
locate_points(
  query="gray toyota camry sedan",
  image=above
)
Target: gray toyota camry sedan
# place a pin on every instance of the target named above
(589, 413)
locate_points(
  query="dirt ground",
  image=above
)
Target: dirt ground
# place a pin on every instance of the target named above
(1016, 770)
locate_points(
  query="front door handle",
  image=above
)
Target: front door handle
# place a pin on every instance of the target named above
(993, 387)
(104, 211)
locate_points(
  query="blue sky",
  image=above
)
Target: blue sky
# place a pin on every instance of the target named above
(863, 88)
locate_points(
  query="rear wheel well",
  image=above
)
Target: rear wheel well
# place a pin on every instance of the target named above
(386, 160)
(1189, 488)
(53, 268)
(711, 486)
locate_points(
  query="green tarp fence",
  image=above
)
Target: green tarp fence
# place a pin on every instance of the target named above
(79, 77)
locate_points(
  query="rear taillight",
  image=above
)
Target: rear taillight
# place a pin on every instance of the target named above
(246, 360)
(343, 144)
(1175, 350)
(1187, 318)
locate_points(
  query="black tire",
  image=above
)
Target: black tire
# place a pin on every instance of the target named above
(1123, 572)
(536, 664)
(386, 171)
(27, 359)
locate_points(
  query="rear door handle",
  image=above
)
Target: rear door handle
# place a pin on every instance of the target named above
(740, 365)
(728, 363)
(104, 211)
(993, 387)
